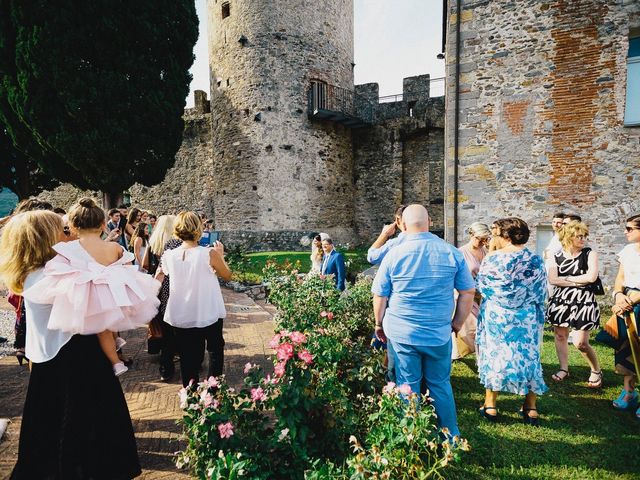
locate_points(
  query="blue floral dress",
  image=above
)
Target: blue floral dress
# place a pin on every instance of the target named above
(514, 288)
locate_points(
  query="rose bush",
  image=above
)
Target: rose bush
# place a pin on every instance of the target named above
(324, 412)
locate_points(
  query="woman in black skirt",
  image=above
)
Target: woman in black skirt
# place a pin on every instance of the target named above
(75, 424)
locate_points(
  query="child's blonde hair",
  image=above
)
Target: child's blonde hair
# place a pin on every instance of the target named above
(162, 233)
(26, 244)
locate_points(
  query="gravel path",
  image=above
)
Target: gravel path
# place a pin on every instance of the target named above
(7, 322)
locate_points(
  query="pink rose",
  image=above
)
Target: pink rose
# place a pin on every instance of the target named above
(323, 313)
(329, 315)
(258, 395)
(275, 341)
(306, 357)
(404, 389)
(247, 367)
(297, 338)
(389, 388)
(210, 401)
(225, 430)
(278, 370)
(285, 352)
(213, 382)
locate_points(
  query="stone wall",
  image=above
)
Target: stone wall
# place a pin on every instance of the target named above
(542, 95)
(187, 185)
(400, 159)
(274, 169)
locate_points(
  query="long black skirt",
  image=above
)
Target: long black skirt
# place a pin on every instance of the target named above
(76, 423)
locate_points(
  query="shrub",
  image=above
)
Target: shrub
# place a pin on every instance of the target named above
(326, 392)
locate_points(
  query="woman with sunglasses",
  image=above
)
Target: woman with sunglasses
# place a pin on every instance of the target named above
(627, 298)
(573, 304)
(474, 252)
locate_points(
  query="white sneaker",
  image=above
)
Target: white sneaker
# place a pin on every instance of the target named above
(120, 342)
(570, 337)
(119, 368)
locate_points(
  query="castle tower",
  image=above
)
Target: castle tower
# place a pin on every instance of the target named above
(277, 172)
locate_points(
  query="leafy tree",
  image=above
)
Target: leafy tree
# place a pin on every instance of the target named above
(94, 91)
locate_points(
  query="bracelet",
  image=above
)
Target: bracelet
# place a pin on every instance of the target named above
(378, 325)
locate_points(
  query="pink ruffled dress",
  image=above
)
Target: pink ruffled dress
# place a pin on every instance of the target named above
(88, 297)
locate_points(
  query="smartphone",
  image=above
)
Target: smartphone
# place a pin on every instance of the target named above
(214, 237)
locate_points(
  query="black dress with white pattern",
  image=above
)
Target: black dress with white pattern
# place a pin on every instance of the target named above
(573, 307)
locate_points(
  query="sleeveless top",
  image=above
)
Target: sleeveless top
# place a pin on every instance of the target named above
(42, 344)
(195, 297)
(573, 307)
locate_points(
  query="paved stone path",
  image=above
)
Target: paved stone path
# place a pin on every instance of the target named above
(153, 404)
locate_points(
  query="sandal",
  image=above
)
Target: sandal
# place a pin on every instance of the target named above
(598, 382)
(528, 419)
(626, 400)
(483, 413)
(556, 376)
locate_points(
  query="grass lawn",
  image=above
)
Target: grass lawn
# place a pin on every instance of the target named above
(258, 260)
(581, 436)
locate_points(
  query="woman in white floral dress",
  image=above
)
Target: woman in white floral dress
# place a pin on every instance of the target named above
(513, 284)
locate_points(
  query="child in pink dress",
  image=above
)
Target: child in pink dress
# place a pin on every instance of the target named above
(92, 286)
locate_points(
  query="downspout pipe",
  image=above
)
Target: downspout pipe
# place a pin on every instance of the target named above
(456, 127)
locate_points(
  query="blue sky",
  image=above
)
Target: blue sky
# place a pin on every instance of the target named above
(393, 39)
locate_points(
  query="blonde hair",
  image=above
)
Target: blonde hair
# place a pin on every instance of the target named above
(570, 231)
(161, 234)
(86, 215)
(188, 226)
(26, 245)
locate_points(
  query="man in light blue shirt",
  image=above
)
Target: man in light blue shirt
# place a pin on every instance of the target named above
(414, 304)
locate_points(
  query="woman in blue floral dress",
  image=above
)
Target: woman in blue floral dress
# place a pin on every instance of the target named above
(513, 284)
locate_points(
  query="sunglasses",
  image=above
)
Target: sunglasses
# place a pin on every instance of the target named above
(66, 231)
(629, 229)
(582, 237)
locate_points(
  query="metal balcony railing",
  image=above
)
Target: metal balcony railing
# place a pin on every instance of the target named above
(436, 89)
(330, 102)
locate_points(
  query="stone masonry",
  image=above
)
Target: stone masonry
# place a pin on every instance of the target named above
(268, 174)
(542, 95)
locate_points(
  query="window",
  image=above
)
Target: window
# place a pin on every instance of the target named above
(226, 10)
(318, 95)
(632, 107)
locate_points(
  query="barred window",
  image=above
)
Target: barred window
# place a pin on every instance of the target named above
(632, 107)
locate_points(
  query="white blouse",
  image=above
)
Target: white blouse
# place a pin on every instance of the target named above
(41, 343)
(629, 258)
(195, 298)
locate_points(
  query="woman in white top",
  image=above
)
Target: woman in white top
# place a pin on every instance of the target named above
(195, 302)
(75, 417)
(140, 242)
(627, 299)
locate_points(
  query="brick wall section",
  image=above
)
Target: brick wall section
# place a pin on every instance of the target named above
(542, 94)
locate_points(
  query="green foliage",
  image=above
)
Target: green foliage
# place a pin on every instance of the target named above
(326, 391)
(95, 91)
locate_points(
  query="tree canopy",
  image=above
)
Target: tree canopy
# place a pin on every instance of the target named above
(94, 91)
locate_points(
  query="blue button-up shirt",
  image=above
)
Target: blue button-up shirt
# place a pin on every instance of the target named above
(419, 276)
(376, 255)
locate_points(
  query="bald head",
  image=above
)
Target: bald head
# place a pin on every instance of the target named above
(415, 218)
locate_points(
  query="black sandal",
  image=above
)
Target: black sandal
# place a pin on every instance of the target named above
(528, 419)
(483, 413)
(558, 378)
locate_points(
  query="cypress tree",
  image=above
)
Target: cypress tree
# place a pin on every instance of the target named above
(94, 91)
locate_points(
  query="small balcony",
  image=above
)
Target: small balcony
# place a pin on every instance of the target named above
(339, 105)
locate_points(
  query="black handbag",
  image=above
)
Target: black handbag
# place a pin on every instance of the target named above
(583, 263)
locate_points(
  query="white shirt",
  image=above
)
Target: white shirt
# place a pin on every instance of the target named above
(325, 262)
(41, 344)
(554, 247)
(629, 258)
(195, 298)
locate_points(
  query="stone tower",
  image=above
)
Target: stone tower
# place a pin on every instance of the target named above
(276, 172)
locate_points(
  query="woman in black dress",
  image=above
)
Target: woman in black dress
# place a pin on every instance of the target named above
(75, 424)
(573, 304)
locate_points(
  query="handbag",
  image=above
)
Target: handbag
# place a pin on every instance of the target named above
(583, 263)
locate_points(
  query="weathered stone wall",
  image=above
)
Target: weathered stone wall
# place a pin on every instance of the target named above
(542, 95)
(400, 159)
(274, 169)
(187, 185)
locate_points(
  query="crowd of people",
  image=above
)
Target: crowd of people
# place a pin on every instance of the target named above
(493, 296)
(76, 280)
